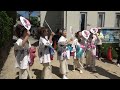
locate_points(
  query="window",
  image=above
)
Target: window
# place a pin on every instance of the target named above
(101, 19)
(117, 23)
(83, 21)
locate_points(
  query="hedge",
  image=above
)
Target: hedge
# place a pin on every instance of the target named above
(105, 47)
(5, 28)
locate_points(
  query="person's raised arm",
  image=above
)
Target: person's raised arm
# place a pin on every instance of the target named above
(51, 36)
(26, 38)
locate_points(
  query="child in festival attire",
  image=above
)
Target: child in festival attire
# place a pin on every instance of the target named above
(78, 48)
(91, 49)
(21, 50)
(63, 53)
(44, 52)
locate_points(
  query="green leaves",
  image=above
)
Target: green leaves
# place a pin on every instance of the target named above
(34, 21)
(5, 27)
(105, 49)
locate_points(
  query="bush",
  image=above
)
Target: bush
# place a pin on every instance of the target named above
(5, 28)
(105, 50)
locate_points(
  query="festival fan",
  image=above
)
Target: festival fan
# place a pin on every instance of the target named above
(25, 23)
(94, 30)
(85, 34)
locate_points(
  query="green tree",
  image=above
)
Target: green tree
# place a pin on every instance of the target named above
(5, 28)
(34, 21)
(18, 16)
(29, 13)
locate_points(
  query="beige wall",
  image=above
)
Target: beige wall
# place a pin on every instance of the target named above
(109, 19)
(73, 19)
(43, 14)
(91, 19)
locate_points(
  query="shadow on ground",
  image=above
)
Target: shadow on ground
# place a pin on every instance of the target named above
(70, 67)
(4, 52)
(107, 61)
(17, 73)
(105, 73)
(17, 77)
(55, 70)
(35, 44)
(38, 73)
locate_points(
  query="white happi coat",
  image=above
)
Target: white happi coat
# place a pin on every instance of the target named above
(91, 46)
(75, 42)
(21, 54)
(62, 42)
(74, 47)
(43, 51)
(101, 37)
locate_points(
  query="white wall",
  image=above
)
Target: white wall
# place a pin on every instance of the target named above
(43, 14)
(109, 19)
(91, 19)
(73, 19)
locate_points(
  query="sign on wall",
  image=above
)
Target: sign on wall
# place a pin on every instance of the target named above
(111, 35)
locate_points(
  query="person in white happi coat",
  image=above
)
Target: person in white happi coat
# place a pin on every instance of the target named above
(99, 44)
(91, 49)
(63, 53)
(79, 43)
(21, 50)
(44, 52)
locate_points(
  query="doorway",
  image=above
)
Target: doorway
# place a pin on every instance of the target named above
(83, 21)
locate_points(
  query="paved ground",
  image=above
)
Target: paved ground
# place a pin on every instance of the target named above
(105, 70)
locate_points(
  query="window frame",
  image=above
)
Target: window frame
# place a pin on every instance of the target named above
(103, 19)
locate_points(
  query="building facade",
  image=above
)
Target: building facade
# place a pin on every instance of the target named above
(80, 20)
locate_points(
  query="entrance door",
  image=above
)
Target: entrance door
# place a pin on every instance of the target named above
(83, 21)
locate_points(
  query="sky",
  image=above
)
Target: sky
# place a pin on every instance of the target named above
(25, 14)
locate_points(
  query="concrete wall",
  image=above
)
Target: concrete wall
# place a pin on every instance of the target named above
(55, 19)
(109, 19)
(73, 19)
(92, 18)
(42, 16)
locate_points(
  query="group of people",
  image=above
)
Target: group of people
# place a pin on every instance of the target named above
(83, 45)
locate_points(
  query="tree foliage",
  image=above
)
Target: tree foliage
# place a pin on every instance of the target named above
(18, 16)
(34, 21)
(29, 13)
(5, 28)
